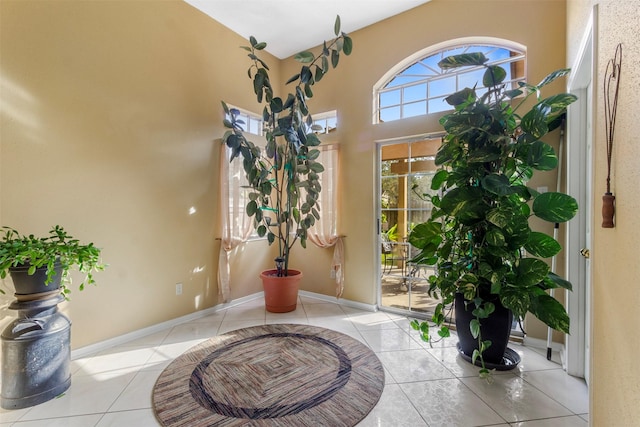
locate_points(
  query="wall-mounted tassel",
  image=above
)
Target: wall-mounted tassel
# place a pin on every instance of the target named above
(608, 209)
(612, 72)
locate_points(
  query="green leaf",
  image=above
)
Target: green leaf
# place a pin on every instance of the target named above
(542, 245)
(465, 203)
(474, 327)
(483, 155)
(336, 26)
(535, 121)
(554, 281)
(260, 46)
(555, 207)
(531, 271)
(316, 167)
(335, 57)
(461, 96)
(304, 57)
(276, 105)
(307, 91)
(463, 60)
(444, 155)
(541, 156)
(497, 184)
(293, 79)
(475, 355)
(252, 208)
(493, 76)
(348, 45)
(551, 312)
(253, 41)
(495, 237)
(559, 102)
(514, 225)
(425, 233)
(515, 300)
(438, 179)
(312, 140)
(444, 332)
(552, 76)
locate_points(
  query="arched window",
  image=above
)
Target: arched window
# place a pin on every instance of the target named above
(419, 87)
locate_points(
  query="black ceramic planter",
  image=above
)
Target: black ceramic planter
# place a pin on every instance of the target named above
(34, 284)
(496, 328)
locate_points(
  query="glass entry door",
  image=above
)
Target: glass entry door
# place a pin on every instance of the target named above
(405, 172)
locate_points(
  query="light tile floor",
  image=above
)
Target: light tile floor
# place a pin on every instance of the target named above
(423, 386)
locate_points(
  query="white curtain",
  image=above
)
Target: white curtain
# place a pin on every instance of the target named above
(323, 233)
(236, 225)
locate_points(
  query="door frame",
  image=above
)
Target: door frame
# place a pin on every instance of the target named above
(579, 184)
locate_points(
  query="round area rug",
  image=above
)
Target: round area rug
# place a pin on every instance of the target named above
(271, 375)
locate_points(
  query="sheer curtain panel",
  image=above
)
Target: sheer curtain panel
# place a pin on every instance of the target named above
(236, 225)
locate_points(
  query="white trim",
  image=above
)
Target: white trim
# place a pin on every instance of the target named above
(340, 301)
(541, 344)
(111, 342)
(577, 175)
(411, 138)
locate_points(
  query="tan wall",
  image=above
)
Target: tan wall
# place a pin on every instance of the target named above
(110, 114)
(614, 389)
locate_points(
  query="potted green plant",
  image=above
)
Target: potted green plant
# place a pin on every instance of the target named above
(487, 258)
(43, 264)
(285, 177)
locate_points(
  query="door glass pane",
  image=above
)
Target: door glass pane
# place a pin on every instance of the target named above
(406, 171)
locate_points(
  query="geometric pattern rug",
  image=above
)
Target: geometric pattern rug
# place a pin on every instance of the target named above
(270, 375)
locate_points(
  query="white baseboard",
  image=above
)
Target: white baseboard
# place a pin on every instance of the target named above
(341, 301)
(111, 342)
(540, 343)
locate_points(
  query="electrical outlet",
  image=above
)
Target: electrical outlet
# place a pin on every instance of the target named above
(178, 288)
(332, 274)
(543, 189)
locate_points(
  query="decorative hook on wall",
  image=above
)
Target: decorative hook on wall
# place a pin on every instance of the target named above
(611, 85)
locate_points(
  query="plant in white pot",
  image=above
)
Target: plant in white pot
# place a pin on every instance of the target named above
(487, 258)
(285, 177)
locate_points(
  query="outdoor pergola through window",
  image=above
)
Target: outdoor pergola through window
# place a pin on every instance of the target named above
(421, 87)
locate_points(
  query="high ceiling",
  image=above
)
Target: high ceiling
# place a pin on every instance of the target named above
(291, 26)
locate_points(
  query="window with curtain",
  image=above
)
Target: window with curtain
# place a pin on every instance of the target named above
(239, 196)
(237, 227)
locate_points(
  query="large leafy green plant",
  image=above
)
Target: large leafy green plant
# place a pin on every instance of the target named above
(478, 235)
(284, 180)
(58, 250)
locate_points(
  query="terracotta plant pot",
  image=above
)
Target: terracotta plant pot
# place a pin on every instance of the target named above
(280, 293)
